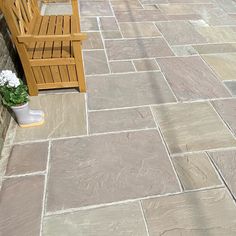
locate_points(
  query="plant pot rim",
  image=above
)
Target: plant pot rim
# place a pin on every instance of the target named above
(20, 106)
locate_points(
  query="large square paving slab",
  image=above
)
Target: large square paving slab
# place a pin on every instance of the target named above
(137, 48)
(126, 90)
(117, 220)
(21, 206)
(192, 127)
(191, 79)
(225, 161)
(211, 212)
(64, 117)
(107, 168)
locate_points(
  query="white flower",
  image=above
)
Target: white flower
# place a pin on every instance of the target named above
(9, 78)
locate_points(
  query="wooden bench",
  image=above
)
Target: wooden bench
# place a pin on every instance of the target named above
(49, 46)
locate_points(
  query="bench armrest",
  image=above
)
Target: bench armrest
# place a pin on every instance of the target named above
(51, 38)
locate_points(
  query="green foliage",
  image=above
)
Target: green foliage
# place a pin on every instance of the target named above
(14, 96)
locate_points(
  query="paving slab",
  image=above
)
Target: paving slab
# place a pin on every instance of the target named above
(231, 85)
(195, 214)
(108, 168)
(190, 127)
(125, 220)
(127, 90)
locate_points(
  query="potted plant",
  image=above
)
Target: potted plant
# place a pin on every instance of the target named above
(14, 95)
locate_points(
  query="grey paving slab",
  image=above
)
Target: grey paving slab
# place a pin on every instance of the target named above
(137, 48)
(21, 206)
(195, 171)
(146, 65)
(192, 127)
(108, 168)
(121, 66)
(195, 214)
(227, 111)
(122, 119)
(231, 85)
(191, 79)
(127, 90)
(27, 158)
(225, 161)
(125, 220)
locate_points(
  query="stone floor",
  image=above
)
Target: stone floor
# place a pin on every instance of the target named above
(151, 148)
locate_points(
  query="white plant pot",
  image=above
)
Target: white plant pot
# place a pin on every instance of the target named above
(27, 117)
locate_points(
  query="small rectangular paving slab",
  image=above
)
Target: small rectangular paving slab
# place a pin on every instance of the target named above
(146, 65)
(121, 119)
(211, 212)
(121, 66)
(180, 33)
(223, 65)
(27, 158)
(138, 30)
(117, 220)
(127, 90)
(64, 117)
(226, 163)
(215, 48)
(95, 8)
(227, 111)
(191, 79)
(190, 127)
(108, 23)
(89, 24)
(108, 168)
(137, 48)
(195, 171)
(95, 62)
(21, 203)
(94, 41)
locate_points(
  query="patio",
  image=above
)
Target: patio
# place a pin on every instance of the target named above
(151, 148)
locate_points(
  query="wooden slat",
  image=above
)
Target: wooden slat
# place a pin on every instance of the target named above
(52, 61)
(38, 75)
(59, 85)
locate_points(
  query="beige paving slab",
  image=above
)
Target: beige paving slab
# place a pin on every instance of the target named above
(122, 119)
(127, 90)
(27, 158)
(211, 212)
(21, 206)
(231, 85)
(125, 220)
(64, 117)
(227, 111)
(108, 168)
(137, 30)
(95, 62)
(215, 48)
(137, 48)
(226, 164)
(192, 127)
(195, 171)
(146, 65)
(191, 79)
(180, 33)
(94, 41)
(121, 66)
(223, 65)
(217, 34)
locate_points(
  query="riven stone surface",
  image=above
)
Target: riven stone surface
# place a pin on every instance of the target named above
(227, 111)
(27, 158)
(195, 214)
(121, 66)
(191, 79)
(226, 163)
(94, 41)
(195, 171)
(137, 48)
(146, 65)
(124, 219)
(21, 206)
(64, 117)
(134, 89)
(122, 119)
(215, 48)
(231, 85)
(190, 127)
(108, 168)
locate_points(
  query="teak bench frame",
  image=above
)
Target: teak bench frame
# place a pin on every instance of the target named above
(49, 46)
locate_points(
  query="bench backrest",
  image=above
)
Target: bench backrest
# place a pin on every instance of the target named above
(20, 15)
